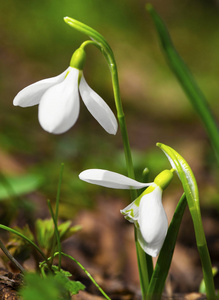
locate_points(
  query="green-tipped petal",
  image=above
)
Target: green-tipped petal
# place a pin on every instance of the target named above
(131, 212)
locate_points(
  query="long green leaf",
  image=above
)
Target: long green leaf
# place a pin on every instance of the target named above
(165, 257)
(191, 191)
(18, 185)
(186, 80)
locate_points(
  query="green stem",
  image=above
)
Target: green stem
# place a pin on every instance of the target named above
(53, 244)
(186, 80)
(88, 274)
(145, 264)
(202, 246)
(204, 255)
(56, 234)
(120, 113)
(99, 41)
(145, 273)
(12, 259)
(58, 193)
(207, 271)
(123, 127)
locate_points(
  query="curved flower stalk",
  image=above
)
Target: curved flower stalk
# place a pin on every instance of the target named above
(144, 261)
(100, 42)
(146, 212)
(58, 99)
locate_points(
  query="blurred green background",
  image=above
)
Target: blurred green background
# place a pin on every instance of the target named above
(36, 44)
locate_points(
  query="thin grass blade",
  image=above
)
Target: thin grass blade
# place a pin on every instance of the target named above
(186, 80)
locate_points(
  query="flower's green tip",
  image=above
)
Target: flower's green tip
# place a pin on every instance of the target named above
(78, 59)
(164, 178)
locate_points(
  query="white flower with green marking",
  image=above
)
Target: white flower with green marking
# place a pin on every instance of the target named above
(58, 99)
(146, 212)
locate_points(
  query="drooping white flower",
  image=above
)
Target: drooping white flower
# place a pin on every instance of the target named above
(146, 212)
(58, 99)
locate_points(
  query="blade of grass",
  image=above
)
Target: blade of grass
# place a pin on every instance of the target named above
(55, 216)
(26, 239)
(56, 234)
(12, 259)
(186, 80)
(88, 274)
(165, 257)
(42, 267)
(59, 192)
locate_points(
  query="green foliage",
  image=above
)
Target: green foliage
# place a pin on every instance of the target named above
(40, 288)
(19, 185)
(51, 287)
(45, 232)
(44, 236)
(73, 287)
(17, 245)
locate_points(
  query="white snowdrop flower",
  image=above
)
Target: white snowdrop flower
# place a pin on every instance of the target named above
(58, 99)
(146, 212)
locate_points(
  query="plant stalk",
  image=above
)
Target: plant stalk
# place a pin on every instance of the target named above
(145, 264)
(204, 256)
(12, 259)
(100, 42)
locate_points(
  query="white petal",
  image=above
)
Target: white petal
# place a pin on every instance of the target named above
(32, 94)
(152, 222)
(59, 106)
(131, 212)
(98, 107)
(110, 179)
